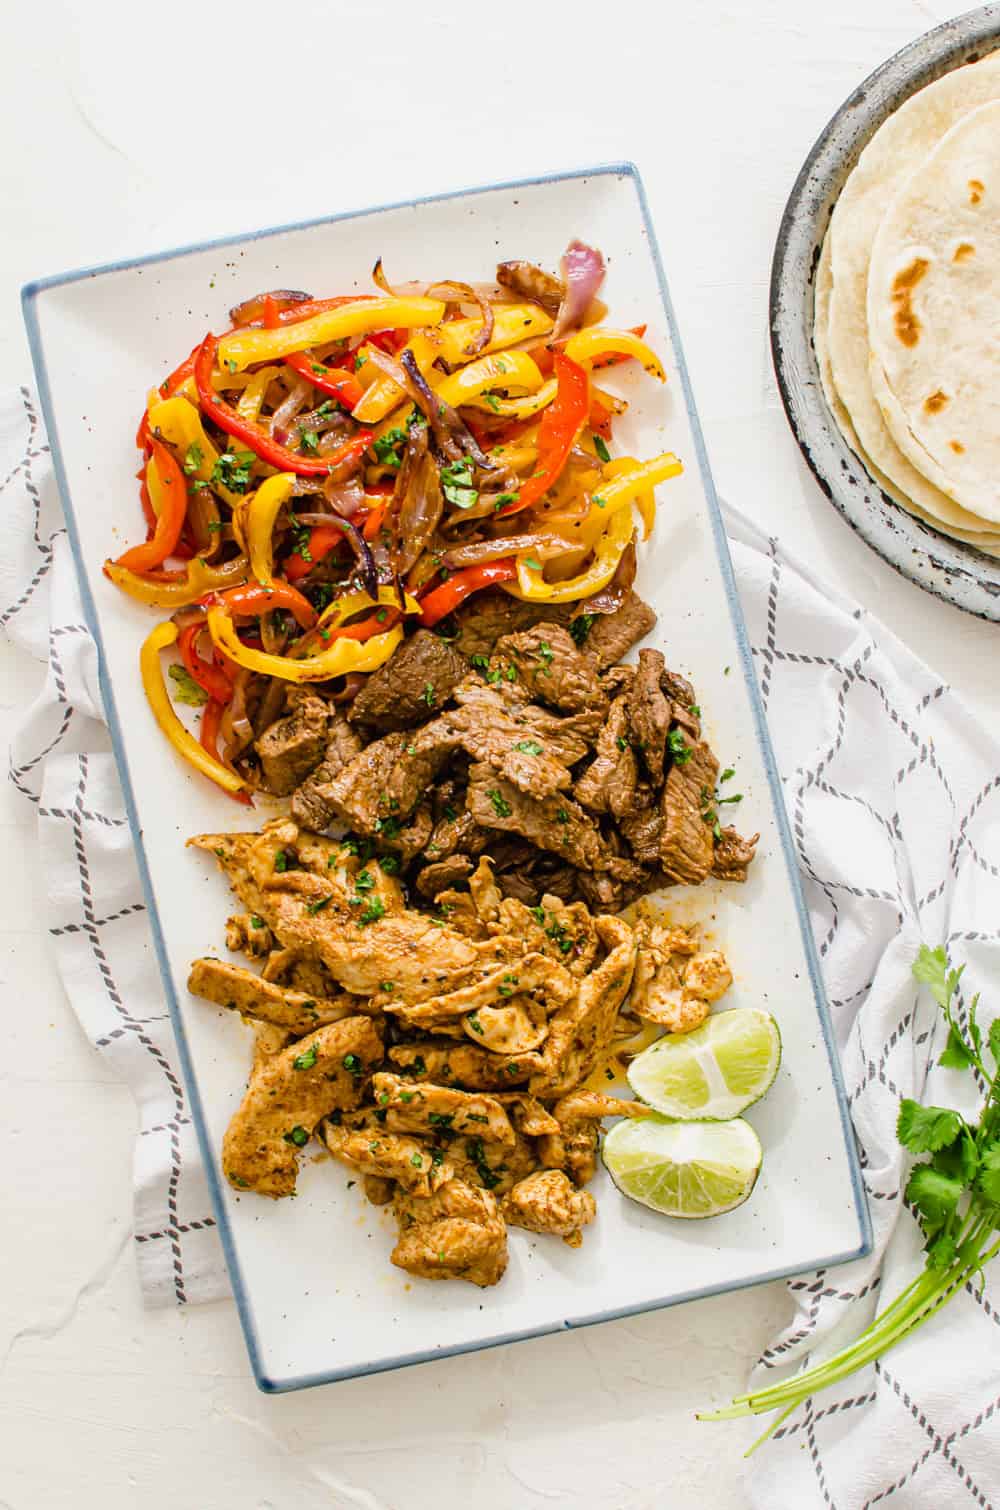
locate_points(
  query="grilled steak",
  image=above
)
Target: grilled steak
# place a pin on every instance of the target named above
(549, 667)
(415, 682)
(612, 635)
(293, 746)
(311, 806)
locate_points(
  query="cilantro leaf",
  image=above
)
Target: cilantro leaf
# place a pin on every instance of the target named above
(935, 1195)
(956, 1055)
(931, 968)
(925, 1129)
(989, 1173)
(994, 1039)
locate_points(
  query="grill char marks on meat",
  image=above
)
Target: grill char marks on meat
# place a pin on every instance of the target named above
(412, 685)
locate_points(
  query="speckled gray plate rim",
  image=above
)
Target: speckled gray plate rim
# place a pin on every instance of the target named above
(948, 568)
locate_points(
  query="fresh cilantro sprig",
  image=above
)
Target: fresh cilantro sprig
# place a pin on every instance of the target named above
(954, 1192)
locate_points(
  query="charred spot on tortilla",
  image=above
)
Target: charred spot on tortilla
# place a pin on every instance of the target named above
(957, 447)
(935, 402)
(963, 252)
(906, 322)
(976, 190)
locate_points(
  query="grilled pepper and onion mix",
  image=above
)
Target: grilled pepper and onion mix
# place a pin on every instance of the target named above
(330, 474)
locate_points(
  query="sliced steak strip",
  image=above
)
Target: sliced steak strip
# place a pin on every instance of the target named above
(487, 616)
(649, 712)
(551, 668)
(611, 635)
(521, 756)
(558, 824)
(608, 784)
(442, 874)
(568, 739)
(293, 746)
(377, 790)
(452, 835)
(310, 806)
(413, 685)
(733, 855)
(687, 846)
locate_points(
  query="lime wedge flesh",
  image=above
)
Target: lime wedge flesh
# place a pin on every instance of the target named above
(686, 1169)
(714, 1073)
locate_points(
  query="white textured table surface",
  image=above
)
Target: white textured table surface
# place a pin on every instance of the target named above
(312, 109)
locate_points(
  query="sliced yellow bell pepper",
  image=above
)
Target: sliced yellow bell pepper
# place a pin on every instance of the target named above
(246, 346)
(161, 638)
(342, 609)
(179, 422)
(253, 522)
(198, 580)
(626, 484)
(384, 395)
(250, 400)
(341, 657)
(644, 500)
(516, 408)
(587, 345)
(502, 369)
(511, 323)
(532, 586)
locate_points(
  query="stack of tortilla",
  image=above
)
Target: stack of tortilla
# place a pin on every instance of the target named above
(907, 327)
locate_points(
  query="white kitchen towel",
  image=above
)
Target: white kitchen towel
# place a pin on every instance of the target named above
(893, 792)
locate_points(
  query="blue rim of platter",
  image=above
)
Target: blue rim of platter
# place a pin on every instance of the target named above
(29, 296)
(950, 569)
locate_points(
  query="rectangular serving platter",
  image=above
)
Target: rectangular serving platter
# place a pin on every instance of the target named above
(317, 1297)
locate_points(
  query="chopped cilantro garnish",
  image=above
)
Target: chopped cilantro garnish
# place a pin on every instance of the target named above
(601, 448)
(678, 747)
(581, 626)
(318, 905)
(372, 913)
(194, 458)
(388, 447)
(429, 694)
(529, 746)
(364, 880)
(232, 470)
(352, 1064)
(456, 483)
(298, 1136)
(307, 1060)
(501, 807)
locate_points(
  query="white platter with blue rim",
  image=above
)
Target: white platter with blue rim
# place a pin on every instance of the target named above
(317, 1296)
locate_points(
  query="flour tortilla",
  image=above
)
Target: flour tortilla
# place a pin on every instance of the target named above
(934, 314)
(898, 147)
(988, 543)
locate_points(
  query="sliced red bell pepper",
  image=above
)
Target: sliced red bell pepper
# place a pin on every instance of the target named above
(373, 519)
(561, 423)
(250, 600)
(376, 623)
(458, 587)
(167, 531)
(341, 385)
(323, 538)
(211, 678)
(208, 737)
(389, 341)
(600, 417)
(222, 414)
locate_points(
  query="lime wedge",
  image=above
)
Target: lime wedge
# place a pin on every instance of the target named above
(688, 1169)
(714, 1073)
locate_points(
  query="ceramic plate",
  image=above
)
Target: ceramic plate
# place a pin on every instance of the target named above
(317, 1295)
(948, 568)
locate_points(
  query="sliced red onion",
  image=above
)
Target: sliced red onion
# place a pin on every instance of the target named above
(451, 434)
(544, 546)
(418, 507)
(610, 598)
(289, 407)
(583, 273)
(253, 309)
(532, 282)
